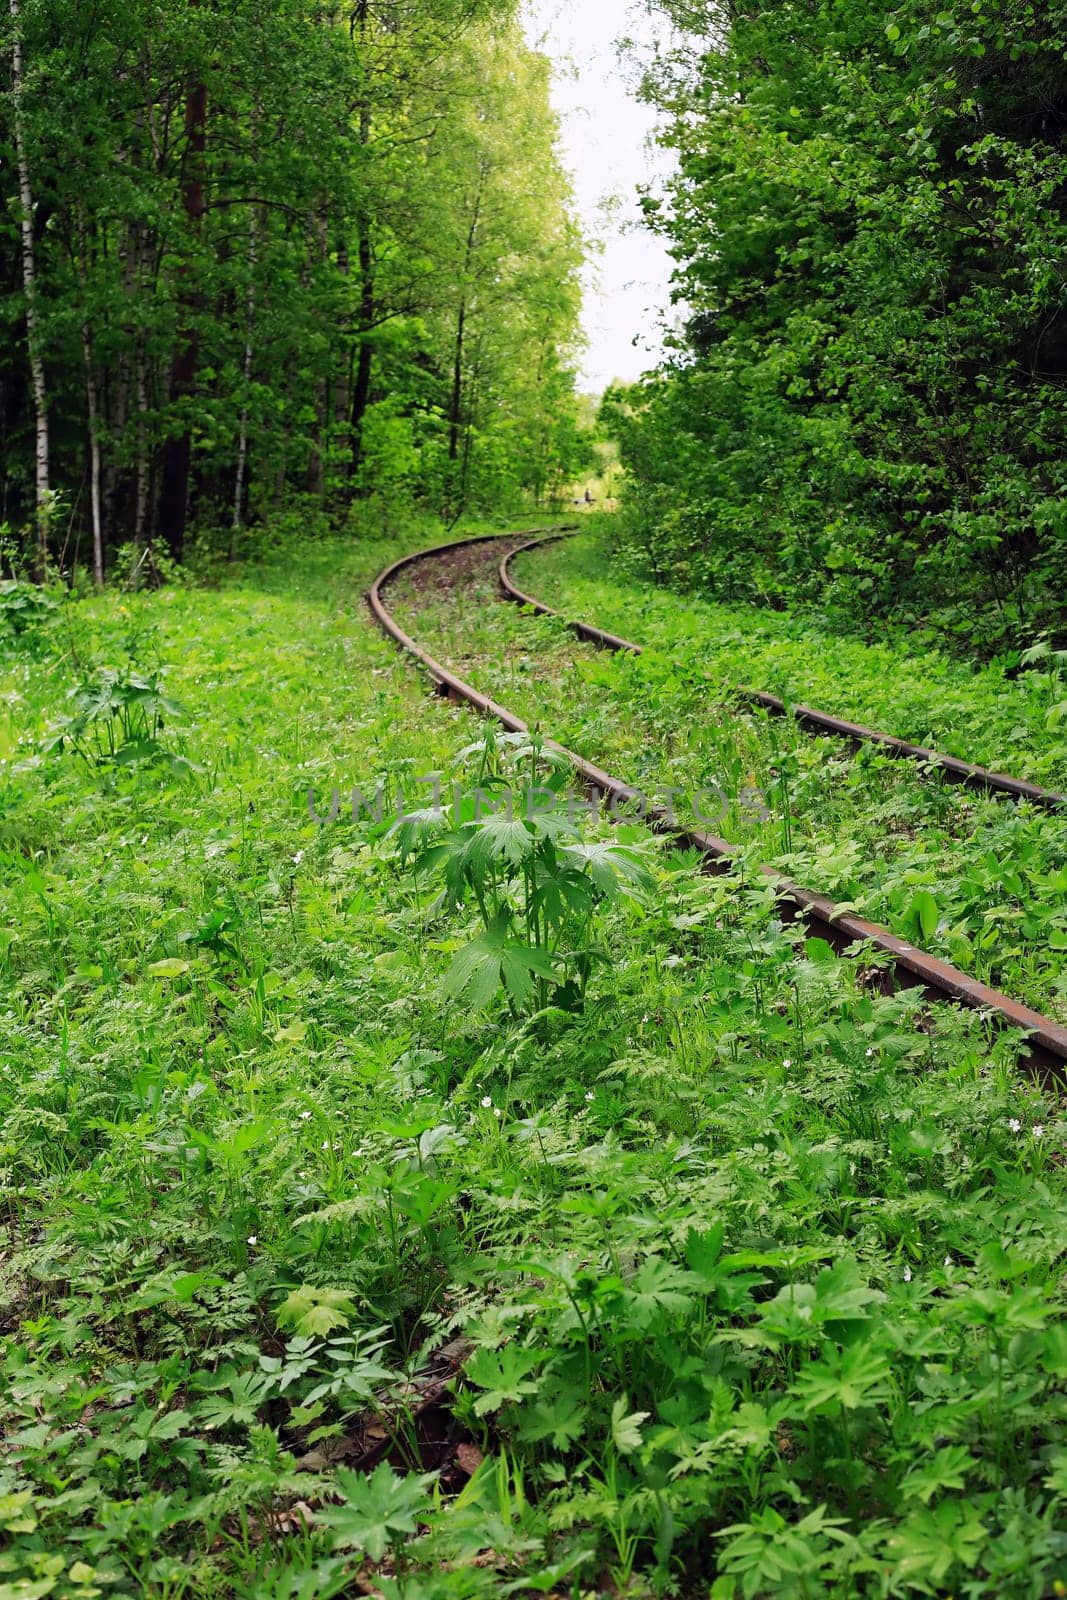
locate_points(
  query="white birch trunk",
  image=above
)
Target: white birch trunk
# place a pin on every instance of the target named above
(29, 283)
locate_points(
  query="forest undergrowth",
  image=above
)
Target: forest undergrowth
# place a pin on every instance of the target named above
(472, 1206)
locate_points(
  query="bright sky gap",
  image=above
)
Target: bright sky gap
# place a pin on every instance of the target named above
(607, 146)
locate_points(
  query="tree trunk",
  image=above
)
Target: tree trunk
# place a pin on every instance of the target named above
(242, 435)
(361, 387)
(178, 452)
(92, 404)
(94, 457)
(33, 323)
(342, 378)
(455, 411)
(316, 480)
(455, 414)
(143, 470)
(455, 492)
(468, 442)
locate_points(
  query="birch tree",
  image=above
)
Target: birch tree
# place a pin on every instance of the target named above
(42, 472)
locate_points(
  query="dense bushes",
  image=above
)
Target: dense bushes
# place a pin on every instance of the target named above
(866, 405)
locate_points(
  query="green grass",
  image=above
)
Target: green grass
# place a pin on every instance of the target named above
(319, 1273)
(903, 685)
(974, 878)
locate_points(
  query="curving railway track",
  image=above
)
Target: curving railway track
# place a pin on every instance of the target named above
(1044, 1047)
(806, 717)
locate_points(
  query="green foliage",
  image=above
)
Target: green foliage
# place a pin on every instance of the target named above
(865, 407)
(537, 883)
(118, 718)
(284, 254)
(25, 610)
(312, 1312)
(746, 1280)
(378, 1510)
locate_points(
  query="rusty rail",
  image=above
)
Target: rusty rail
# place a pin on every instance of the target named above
(812, 721)
(1045, 1047)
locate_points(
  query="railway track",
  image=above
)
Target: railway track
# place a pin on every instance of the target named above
(811, 720)
(1044, 1048)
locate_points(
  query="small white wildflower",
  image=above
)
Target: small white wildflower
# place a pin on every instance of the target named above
(787, 1063)
(948, 1261)
(1039, 1130)
(590, 1095)
(326, 1144)
(298, 858)
(1014, 1124)
(487, 1102)
(253, 1238)
(305, 1116)
(497, 1111)
(870, 1053)
(907, 1274)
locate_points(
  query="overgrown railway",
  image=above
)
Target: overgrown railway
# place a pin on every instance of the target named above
(807, 718)
(1044, 1047)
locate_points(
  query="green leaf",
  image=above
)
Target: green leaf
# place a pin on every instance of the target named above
(172, 967)
(930, 1543)
(925, 914)
(1054, 1350)
(658, 1287)
(476, 970)
(945, 1469)
(504, 1374)
(853, 1377)
(626, 1429)
(500, 838)
(17, 1514)
(379, 1509)
(560, 1420)
(294, 1033)
(313, 1312)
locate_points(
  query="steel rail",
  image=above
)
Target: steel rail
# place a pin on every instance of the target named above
(812, 721)
(1044, 1049)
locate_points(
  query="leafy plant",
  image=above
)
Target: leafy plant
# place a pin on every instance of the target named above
(118, 719)
(25, 610)
(742, 1278)
(378, 1510)
(537, 883)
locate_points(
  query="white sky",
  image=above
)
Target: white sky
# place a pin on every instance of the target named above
(605, 144)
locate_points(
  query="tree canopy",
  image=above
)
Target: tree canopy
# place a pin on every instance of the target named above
(255, 250)
(866, 404)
